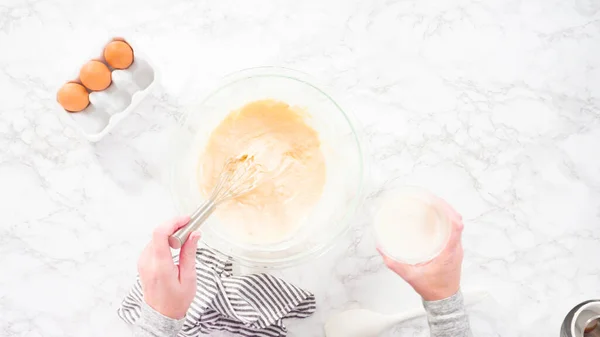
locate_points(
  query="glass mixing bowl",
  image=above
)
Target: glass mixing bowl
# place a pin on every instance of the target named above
(340, 144)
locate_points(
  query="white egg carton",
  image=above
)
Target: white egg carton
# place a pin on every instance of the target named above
(108, 107)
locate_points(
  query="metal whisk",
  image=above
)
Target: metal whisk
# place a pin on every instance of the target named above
(239, 176)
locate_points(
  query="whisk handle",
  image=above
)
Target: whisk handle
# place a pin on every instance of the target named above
(196, 220)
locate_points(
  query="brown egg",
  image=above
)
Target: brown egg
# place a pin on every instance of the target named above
(95, 75)
(73, 97)
(118, 54)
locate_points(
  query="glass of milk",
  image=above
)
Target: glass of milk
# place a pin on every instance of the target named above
(411, 225)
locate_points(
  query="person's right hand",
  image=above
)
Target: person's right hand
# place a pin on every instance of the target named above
(169, 288)
(439, 278)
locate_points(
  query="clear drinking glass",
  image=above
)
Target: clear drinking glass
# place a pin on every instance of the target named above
(411, 226)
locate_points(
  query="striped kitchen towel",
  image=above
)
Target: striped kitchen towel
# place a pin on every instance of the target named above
(251, 305)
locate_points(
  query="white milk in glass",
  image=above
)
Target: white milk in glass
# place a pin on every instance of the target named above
(411, 226)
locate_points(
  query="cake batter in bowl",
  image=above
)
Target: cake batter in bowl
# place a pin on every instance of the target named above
(310, 153)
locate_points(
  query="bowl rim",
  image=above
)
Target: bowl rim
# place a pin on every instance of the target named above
(357, 136)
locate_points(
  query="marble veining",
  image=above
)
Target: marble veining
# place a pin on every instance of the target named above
(492, 104)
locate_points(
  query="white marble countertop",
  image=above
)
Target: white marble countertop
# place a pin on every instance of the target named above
(494, 105)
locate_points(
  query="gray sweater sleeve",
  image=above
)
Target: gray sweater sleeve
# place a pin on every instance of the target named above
(447, 317)
(152, 324)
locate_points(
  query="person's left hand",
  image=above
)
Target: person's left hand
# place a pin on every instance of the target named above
(439, 278)
(169, 288)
